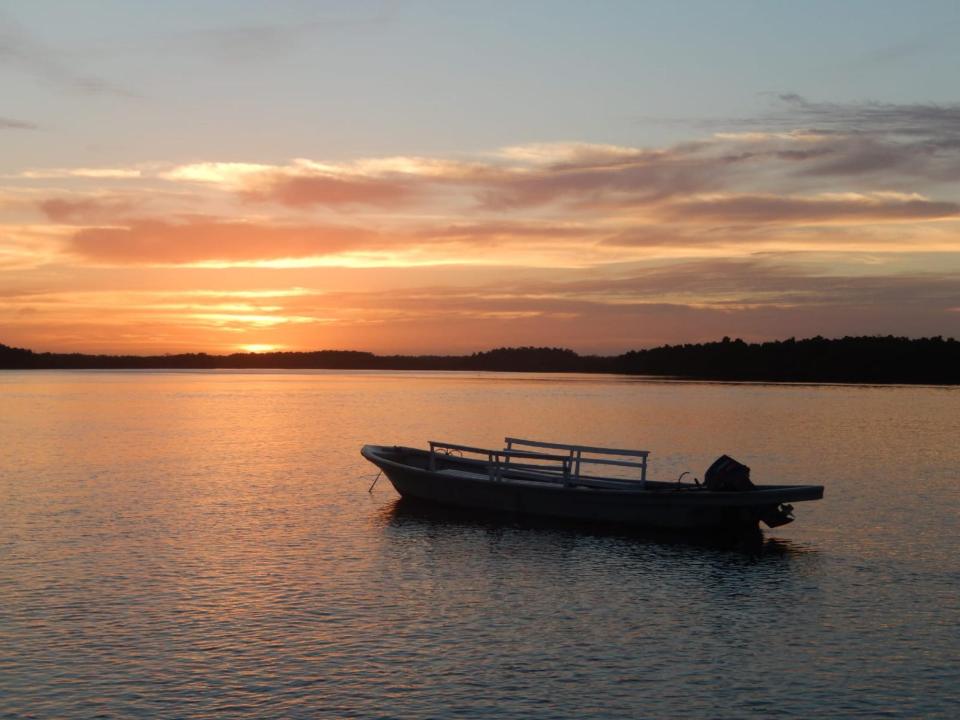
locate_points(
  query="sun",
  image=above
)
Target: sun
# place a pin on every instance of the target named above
(260, 348)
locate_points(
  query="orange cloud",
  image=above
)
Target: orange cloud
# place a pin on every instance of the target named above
(84, 210)
(304, 191)
(212, 240)
(199, 240)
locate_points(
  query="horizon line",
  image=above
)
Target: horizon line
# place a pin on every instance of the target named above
(284, 351)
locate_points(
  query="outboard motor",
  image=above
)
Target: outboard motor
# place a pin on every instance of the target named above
(726, 474)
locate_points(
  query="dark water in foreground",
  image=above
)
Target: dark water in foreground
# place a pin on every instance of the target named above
(198, 544)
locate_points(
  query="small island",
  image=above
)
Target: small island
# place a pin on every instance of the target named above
(867, 359)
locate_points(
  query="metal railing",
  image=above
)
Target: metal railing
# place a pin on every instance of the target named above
(498, 461)
(587, 454)
(560, 467)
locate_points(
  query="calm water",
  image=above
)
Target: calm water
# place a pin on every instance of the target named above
(202, 543)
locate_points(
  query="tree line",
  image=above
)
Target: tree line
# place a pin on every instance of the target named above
(868, 359)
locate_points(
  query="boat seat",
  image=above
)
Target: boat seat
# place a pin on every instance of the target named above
(516, 476)
(464, 474)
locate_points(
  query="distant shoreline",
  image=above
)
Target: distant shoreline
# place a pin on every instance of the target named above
(867, 359)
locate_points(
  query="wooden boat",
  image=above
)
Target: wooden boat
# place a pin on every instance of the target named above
(560, 480)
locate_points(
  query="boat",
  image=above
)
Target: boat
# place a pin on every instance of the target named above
(585, 483)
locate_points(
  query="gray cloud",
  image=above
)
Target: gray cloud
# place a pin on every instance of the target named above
(20, 50)
(12, 124)
(666, 178)
(918, 140)
(767, 208)
(882, 145)
(875, 141)
(256, 42)
(791, 111)
(635, 178)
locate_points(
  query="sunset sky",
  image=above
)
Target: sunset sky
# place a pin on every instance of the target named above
(450, 177)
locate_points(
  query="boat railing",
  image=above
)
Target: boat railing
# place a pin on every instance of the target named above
(580, 455)
(550, 465)
(533, 463)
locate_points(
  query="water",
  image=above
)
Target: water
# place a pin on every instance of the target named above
(194, 544)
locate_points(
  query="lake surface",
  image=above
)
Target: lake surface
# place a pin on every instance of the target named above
(199, 544)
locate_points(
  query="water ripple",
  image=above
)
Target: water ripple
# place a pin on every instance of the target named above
(199, 545)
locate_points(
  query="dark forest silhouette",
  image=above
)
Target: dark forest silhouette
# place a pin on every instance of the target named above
(872, 359)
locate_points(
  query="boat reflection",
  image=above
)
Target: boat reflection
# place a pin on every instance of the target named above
(408, 514)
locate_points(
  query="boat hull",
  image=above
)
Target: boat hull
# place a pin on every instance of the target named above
(665, 508)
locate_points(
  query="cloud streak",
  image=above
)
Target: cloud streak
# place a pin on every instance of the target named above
(21, 50)
(801, 210)
(679, 302)
(328, 191)
(204, 240)
(7, 123)
(909, 119)
(86, 210)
